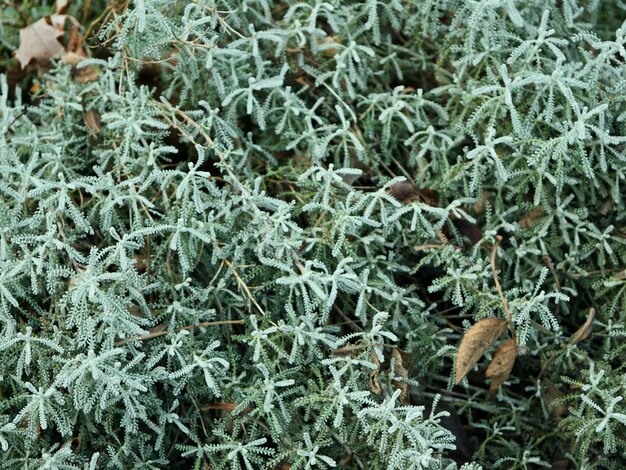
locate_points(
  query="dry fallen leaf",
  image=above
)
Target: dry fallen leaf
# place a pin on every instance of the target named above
(75, 42)
(344, 351)
(620, 276)
(401, 384)
(374, 383)
(81, 74)
(475, 342)
(585, 330)
(282, 466)
(468, 230)
(328, 50)
(550, 394)
(92, 120)
(501, 364)
(58, 21)
(581, 334)
(72, 58)
(61, 6)
(479, 205)
(404, 192)
(38, 42)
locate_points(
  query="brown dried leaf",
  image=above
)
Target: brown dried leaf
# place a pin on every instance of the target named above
(620, 276)
(39, 43)
(92, 121)
(404, 192)
(155, 331)
(585, 330)
(61, 6)
(479, 205)
(72, 58)
(502, 363)
(58, 21)
(442, 237)
(401, 384)
(428, 196)
(282, 466)
(75, 42)
(549, 394)
(344, 351)
(475, 342)
(530, 217)
(327, 43)
(468, 230)
(374, 383)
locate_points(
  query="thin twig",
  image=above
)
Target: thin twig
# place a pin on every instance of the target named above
(348, 320)
(156, 334)
(348, 349)
(428, 246)
(492, 261)
(546, 259)
(244, 286)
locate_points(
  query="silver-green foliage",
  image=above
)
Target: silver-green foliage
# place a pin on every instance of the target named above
(216, 275)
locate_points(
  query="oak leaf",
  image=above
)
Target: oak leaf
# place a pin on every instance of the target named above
(61, 6)
(501, 364)
(39, 42)
(475, 342)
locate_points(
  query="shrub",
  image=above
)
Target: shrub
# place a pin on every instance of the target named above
(251, 234)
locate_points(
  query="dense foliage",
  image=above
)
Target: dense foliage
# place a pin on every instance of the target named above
(250, 234)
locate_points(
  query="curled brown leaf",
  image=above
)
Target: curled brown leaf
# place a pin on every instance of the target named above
(585, 329)
(61, 6)
(501, 364)
(475, 342)
(550, 394)
(374, 383)
(402, 382)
